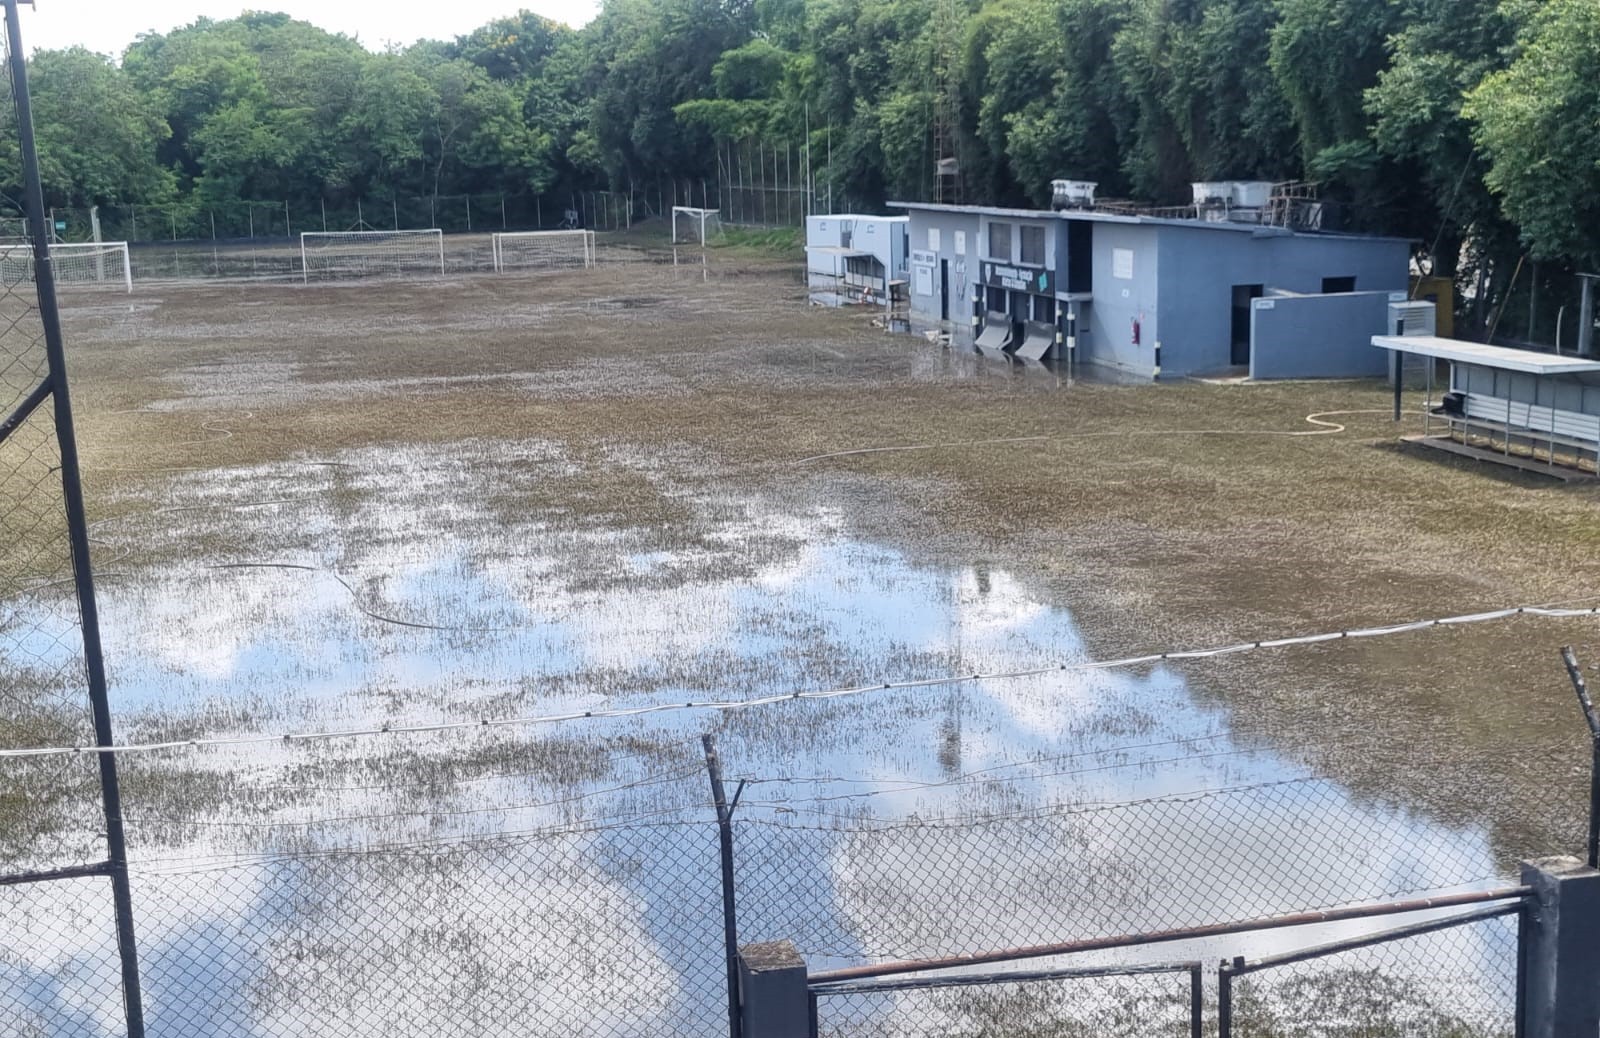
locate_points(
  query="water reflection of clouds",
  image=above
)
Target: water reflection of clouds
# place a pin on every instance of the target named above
(806, 607)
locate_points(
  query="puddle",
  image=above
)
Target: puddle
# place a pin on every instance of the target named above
(371, 593)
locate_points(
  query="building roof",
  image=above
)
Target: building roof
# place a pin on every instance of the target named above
(1098, 216)
(1525, 361)
(854, 216)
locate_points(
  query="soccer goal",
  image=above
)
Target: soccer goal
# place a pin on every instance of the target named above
(365, 254)
(542, 250)
(104, 262)
(695, 226)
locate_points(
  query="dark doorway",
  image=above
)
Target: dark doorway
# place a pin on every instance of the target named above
(1333, 285)
(944, 290)
(1243, 296)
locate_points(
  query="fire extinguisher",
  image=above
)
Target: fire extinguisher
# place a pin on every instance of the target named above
(1136, 331)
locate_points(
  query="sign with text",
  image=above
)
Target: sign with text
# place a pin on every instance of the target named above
(1019, 279)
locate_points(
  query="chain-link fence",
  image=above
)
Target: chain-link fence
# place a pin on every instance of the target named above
(241, 221)
(862, 891)
(1455, 976)
(1158, 1001)
(604, 931)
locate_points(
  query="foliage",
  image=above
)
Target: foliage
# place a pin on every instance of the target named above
(1538, 120)
(1470, 125)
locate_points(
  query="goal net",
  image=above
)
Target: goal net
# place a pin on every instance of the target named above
(365, 254)
(543, 250)
(695, 226)
(104, 263)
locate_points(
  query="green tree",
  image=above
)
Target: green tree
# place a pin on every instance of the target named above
(1538, 121)
(97, 135)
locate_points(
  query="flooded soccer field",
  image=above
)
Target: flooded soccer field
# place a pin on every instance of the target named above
(633, 491)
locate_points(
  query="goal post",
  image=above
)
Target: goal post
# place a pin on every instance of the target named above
(104, 262)
(548, 250)
(359, 254)
(691, 226)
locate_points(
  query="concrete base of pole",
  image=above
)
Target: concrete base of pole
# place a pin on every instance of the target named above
(773, 1000)
(1561, 952)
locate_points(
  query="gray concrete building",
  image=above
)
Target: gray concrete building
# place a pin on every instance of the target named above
(1154, 295)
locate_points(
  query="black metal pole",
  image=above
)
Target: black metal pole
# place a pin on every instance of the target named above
(1593, 718)
(1197, 1002)
(730, 922)
(1225, 1001)
(77, 526)
(1399, 383)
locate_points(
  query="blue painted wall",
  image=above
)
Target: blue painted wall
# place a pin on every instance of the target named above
(1200, 266)
(1319, 336)
(1118, 301)
(1181, 284)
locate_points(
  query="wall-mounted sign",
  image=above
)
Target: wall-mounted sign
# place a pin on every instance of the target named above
(926, 259)
(922, 280)
(1122, 263)
(961, 243)
(1019, 279)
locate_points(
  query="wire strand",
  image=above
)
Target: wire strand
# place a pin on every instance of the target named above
(485, 724)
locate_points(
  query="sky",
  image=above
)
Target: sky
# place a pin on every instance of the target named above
(108, 26)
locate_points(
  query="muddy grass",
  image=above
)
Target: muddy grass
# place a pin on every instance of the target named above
(1164, 515)
(391, 503)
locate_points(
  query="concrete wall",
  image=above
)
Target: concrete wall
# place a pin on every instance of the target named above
(882, 236)
(953, 230)
(1180, 288)
(1199, 267)
(1318, 336)
(1119, 301)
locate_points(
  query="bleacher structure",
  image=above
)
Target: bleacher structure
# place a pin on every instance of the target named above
(1522, 408)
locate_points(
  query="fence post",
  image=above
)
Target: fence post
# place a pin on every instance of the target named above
(1225, 997)
(77, 529)
(730, 921)
(774, 997)
(1592, 716)
(1562, 957)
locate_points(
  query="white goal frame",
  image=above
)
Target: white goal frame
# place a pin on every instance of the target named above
(16, 262)
(499, 240)
(699, 216)
(355, 237)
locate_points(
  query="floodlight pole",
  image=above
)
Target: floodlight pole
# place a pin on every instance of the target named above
(77, 529)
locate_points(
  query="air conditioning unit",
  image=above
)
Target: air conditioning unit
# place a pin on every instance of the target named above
(1250, 194)
(1072, 194)
(1415, 317)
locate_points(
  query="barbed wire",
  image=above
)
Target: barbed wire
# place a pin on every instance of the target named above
(1173, 655)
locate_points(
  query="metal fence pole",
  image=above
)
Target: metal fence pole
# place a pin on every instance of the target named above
(730, 921)
(1593, 718)
(1225, 998)
(1197, 1002)
(78, 533)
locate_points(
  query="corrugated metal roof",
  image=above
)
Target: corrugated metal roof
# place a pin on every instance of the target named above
(1502, 357)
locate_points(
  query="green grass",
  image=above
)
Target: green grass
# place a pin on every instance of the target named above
(772, 241)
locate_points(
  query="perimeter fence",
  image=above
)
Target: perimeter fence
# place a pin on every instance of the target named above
(617, 927)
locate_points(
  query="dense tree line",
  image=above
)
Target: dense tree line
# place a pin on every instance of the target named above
(1471, 125)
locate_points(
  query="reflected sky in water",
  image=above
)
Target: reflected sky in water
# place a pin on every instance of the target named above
(1116, 801)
